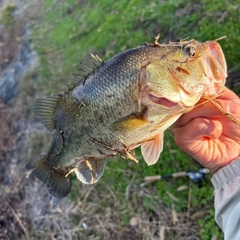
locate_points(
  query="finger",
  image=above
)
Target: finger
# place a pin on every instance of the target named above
(197, 130)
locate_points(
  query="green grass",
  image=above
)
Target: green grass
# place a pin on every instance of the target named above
(62, 33)
(70, 30)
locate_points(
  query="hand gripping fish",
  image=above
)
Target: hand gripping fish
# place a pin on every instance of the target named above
(122, 103)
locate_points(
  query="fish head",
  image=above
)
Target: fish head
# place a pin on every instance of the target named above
(181, 73)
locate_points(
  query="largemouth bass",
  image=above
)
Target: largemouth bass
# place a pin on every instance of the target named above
(125, 102)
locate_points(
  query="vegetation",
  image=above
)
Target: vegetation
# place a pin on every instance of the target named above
(8, 16)
(117, 207)
(74, 28)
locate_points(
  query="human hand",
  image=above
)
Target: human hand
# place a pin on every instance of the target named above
(207, 135)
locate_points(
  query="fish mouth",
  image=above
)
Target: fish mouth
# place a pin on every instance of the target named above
(161, 101)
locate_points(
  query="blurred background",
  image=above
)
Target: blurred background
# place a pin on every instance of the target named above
(41, 43)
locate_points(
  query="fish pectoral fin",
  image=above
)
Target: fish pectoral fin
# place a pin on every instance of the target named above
(129, 123)
(45, 109)
(90, 171)
(152, 149)
(58, 184)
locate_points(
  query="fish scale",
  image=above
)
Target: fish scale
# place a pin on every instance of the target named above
(118, 105)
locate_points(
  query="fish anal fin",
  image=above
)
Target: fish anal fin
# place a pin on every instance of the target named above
(152, 149)
(45, 109)
(57, 183)
(90, 171)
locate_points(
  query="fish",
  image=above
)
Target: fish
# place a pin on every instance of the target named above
(115, 106)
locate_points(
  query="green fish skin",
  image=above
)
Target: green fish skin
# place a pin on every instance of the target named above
(118, 105)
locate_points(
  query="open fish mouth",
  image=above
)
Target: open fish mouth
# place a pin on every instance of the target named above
(162, 101)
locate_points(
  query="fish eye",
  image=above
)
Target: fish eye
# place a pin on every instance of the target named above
(190, 51)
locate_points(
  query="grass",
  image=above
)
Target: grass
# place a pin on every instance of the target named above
(74, 28)
(117, 207)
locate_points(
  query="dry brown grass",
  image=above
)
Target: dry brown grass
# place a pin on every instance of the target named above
(87, 218)
(34, 214)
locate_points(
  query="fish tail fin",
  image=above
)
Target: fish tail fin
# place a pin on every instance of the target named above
(57, 183)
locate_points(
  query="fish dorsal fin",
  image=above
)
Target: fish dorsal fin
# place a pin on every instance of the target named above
(152, 149)
(87, 66)
(90, 171)
(45, 109)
